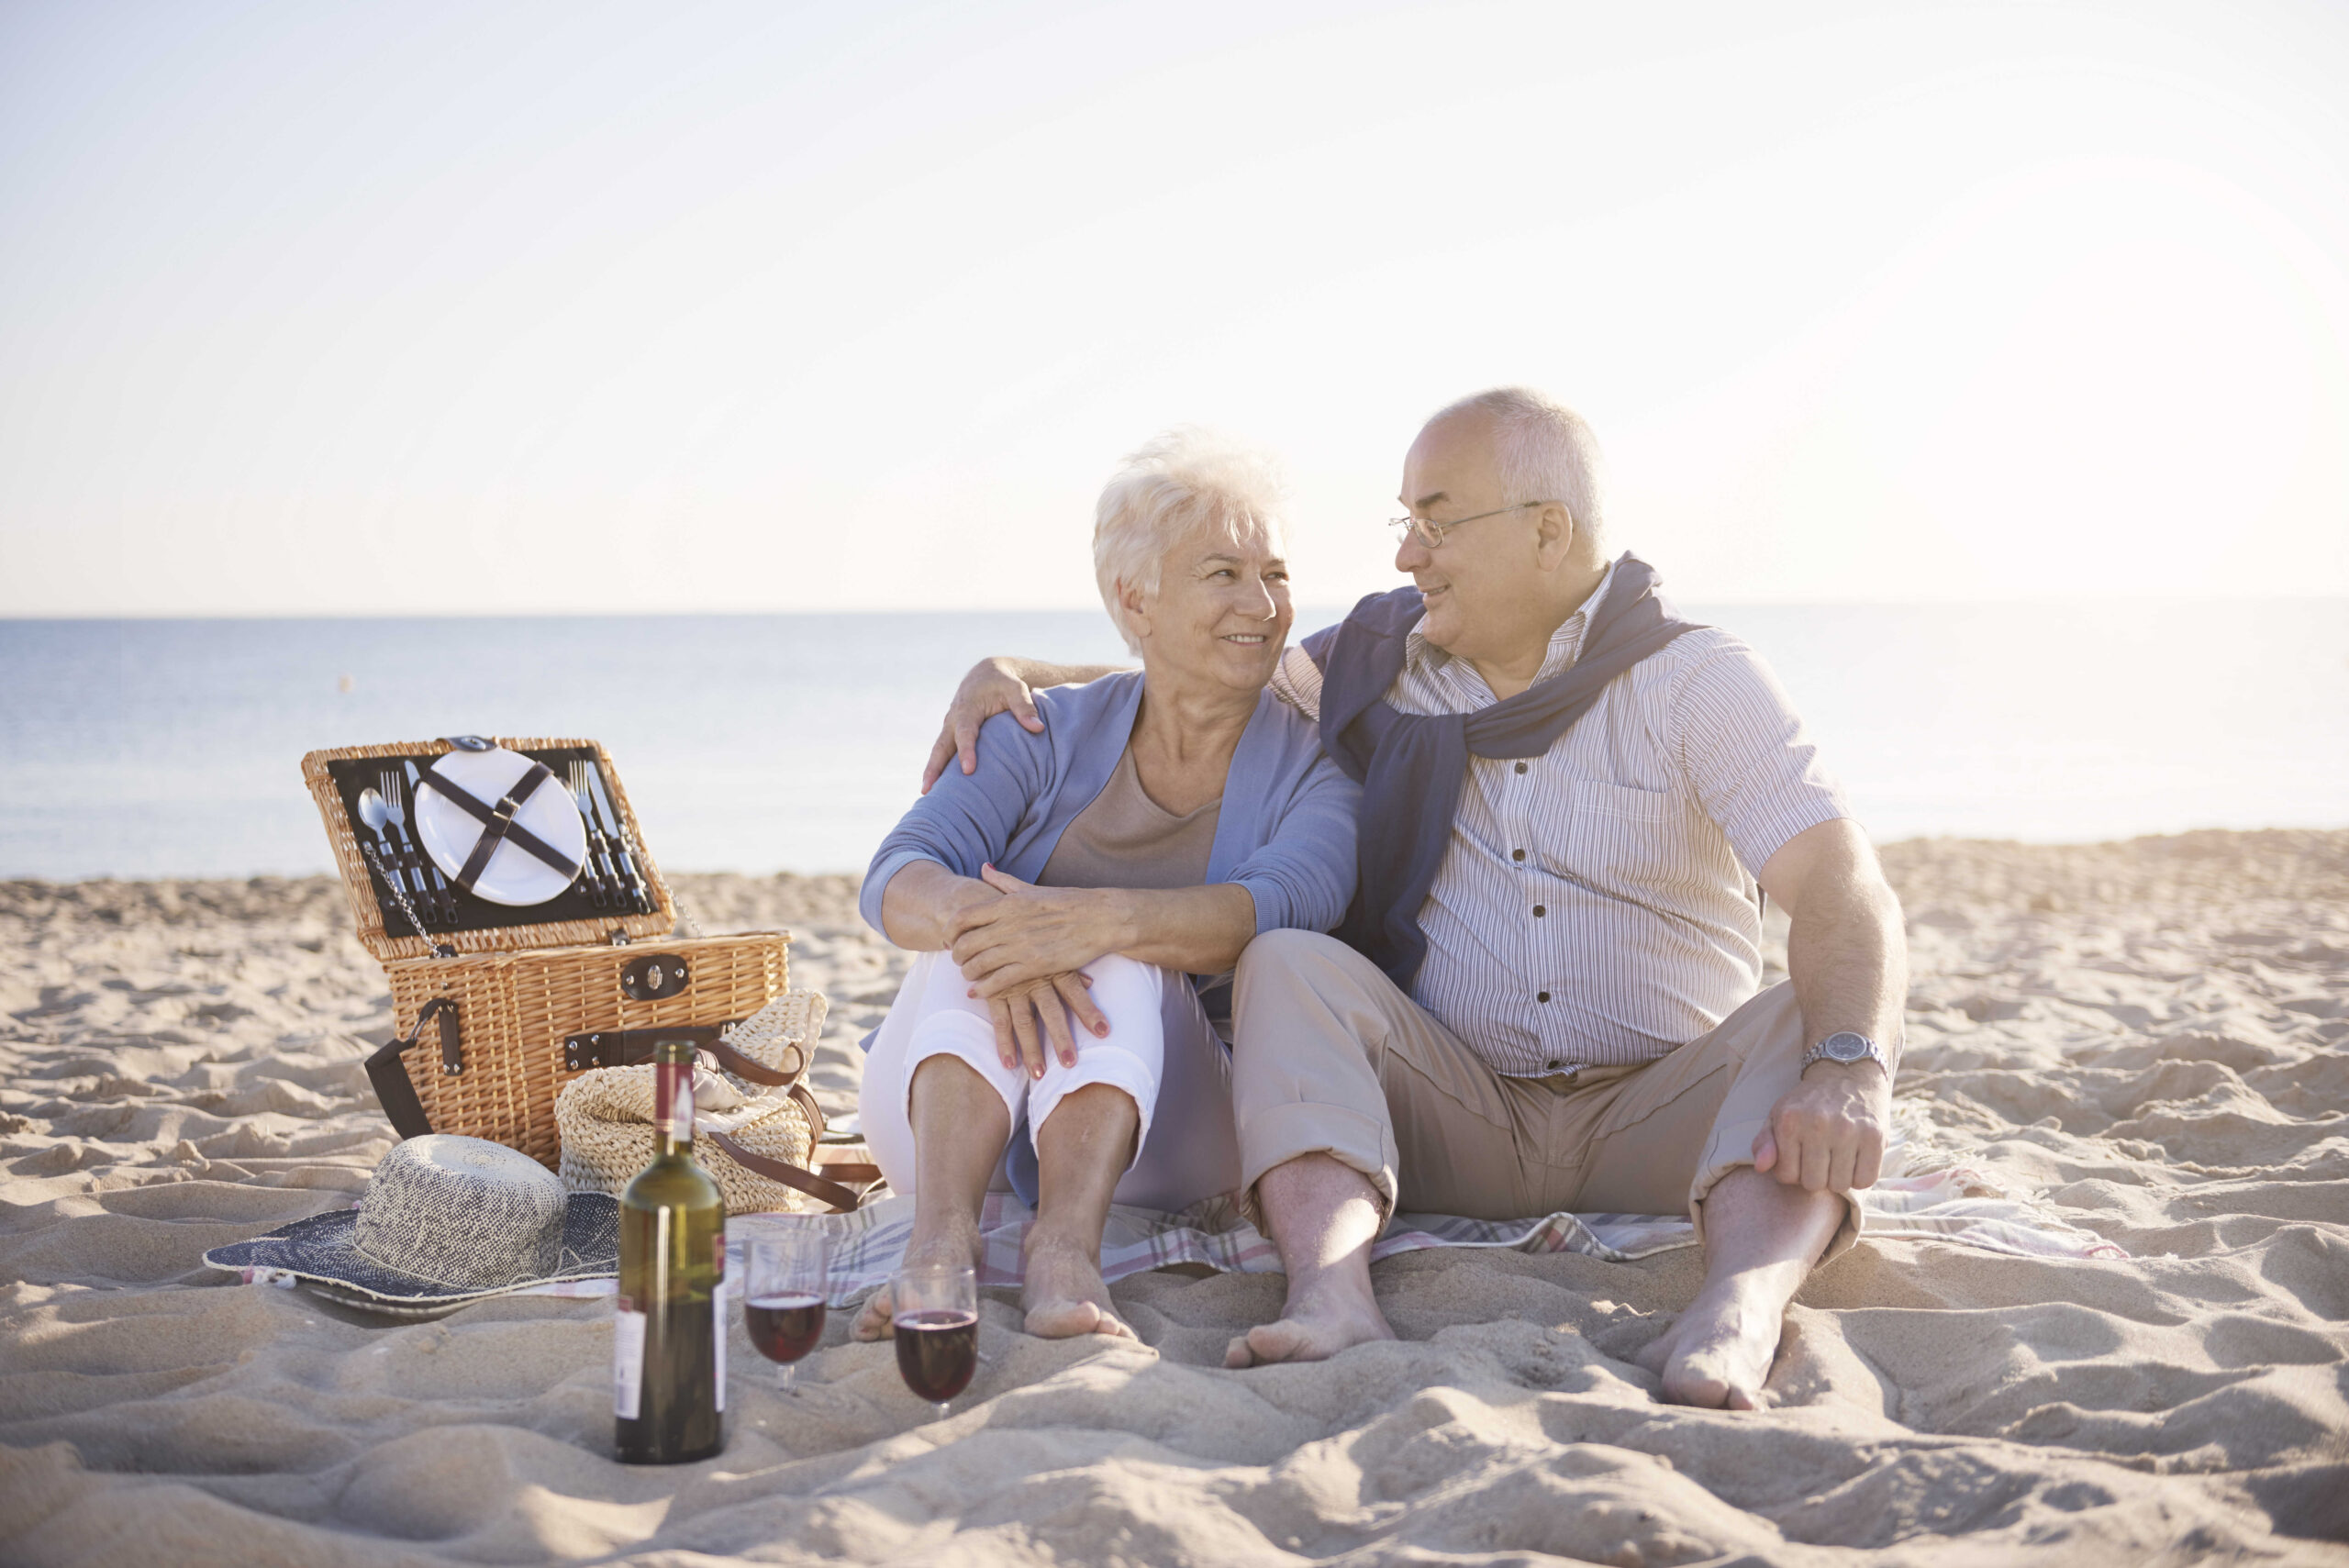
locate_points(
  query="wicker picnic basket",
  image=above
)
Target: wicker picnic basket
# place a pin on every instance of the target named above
(501, 1006)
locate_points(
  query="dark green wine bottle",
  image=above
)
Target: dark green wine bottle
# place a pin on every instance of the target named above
(668, 1336)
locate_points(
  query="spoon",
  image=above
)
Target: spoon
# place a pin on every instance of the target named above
(374, 812)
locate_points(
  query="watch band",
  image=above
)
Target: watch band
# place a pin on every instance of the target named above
(1844, 1055)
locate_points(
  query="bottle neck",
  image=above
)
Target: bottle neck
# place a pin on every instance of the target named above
(673, 1109)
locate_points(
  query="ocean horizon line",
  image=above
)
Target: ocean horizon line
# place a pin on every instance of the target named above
(1318, 607)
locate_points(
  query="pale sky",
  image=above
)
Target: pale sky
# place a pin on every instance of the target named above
(483, 309)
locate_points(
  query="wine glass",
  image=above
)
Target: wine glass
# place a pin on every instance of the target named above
(937, 1328)
(784, 1308)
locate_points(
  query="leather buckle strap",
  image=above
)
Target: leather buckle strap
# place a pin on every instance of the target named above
(497, 824)
(388, 1073)
(627, 1048)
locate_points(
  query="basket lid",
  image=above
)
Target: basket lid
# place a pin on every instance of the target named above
(395, 881)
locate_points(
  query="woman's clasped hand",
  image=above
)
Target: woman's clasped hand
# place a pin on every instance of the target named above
(1024, 953)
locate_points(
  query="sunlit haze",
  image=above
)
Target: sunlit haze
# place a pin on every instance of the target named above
(312, 309)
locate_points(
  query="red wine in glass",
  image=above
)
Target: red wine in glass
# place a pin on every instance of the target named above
(784, 1327)
(784, 1308)
(936, 1352)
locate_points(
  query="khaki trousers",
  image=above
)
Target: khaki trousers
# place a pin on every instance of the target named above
(1330, 1057)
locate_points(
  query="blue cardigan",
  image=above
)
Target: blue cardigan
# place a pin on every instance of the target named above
(1285, 832)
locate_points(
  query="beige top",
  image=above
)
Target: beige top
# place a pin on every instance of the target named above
(1124, 839)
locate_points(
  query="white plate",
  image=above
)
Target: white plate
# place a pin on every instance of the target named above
(514, 875)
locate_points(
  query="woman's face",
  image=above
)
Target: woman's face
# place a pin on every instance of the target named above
(1221, 612)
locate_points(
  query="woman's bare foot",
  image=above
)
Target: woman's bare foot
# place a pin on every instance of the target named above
(1719, 1352)
(1064, 1293)
(1314, 1325)
(953, 1242)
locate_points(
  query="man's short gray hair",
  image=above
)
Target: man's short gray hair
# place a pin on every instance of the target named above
(1169, 486)
(1545, 451)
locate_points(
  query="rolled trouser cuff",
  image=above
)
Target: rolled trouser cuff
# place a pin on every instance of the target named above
(971, 1042)
(1730, 1148)
(1096, 1063)
(1292, 1130)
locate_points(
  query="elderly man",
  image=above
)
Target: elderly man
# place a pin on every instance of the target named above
(1545, 997)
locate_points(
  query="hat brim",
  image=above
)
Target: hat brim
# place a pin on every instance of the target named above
(323, 1251)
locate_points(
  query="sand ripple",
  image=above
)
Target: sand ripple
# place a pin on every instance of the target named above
(2150, 1036)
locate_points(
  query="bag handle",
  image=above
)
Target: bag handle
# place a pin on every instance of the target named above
(386, 1070)
(842, 1199)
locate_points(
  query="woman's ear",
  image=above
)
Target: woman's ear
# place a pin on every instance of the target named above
(1137, 608)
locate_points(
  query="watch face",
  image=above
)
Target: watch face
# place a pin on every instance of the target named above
(1844, 1047)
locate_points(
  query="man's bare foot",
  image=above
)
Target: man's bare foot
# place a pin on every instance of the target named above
(1064, 1293)
(1312, 1327)
(955, 1242)
(1719, 1352)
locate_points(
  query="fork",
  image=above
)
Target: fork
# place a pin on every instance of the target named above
(575, 775)
(396, 813)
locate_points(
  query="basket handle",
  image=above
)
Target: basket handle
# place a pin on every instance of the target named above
(394, 1090)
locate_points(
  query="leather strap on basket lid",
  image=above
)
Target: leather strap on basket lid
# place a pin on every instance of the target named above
(498, 823)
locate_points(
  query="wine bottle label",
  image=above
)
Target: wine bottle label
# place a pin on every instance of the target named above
(627, 1359)
(672, 1099)
(717, 1313)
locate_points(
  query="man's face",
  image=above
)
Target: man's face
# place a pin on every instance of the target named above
(1483, 582)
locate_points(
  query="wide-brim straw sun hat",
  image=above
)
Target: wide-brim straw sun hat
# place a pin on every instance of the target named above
(445, 1221)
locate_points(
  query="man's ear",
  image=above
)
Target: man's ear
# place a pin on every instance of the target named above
(1553, 535)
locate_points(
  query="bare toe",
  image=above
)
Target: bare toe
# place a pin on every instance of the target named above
(1305, 1338)
(878, 1319)
(1066, 1319)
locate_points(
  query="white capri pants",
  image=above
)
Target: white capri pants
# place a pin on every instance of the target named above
(1161, 1050)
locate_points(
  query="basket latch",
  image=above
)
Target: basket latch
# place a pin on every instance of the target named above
(452, 1052)
(654, 977)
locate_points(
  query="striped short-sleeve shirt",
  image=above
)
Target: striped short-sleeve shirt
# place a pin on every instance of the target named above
(1598, 903)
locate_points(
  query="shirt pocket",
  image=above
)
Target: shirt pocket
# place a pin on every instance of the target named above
(1620, 838)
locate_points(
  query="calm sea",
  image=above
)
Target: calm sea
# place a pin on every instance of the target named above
(762, 743)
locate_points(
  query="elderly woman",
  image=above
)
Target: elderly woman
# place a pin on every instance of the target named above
(1106, 870)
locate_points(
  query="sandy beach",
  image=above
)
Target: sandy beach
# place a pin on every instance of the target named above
(2150, 1038)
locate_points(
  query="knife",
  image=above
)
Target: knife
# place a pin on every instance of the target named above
(427, 867)
(622, 859)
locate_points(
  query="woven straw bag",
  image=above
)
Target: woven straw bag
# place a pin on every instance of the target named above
(757, 1139)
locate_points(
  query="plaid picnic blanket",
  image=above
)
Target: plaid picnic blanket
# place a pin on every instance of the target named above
(1955, 1204)
(1958, 1204)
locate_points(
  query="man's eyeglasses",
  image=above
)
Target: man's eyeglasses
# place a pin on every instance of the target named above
(1430, 533)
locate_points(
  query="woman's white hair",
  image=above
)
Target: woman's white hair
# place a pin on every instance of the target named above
(1169, 486)
(1544, 451)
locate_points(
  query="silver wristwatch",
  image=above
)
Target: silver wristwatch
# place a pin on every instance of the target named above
(1847, 1048)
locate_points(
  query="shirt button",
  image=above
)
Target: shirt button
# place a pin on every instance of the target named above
(1553, 1066)
(1521, 767)
(1517, 854)
(1543, 997)
(1539, 911)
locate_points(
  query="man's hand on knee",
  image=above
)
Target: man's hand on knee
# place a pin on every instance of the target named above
(1828, 1133)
